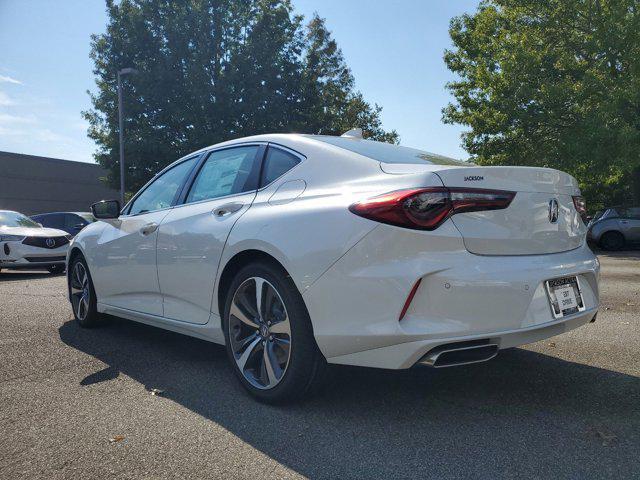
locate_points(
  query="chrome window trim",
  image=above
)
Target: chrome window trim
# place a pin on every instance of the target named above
(205, 152)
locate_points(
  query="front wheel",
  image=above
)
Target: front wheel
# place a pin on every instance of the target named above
(82, 293)
(269, 337)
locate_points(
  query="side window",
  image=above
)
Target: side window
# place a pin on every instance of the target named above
(72, 220)
(633, 213)
(162, 191)
(55, 220)
(277, 163)
(225, 172)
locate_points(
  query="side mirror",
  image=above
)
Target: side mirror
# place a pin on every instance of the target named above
(106, 209)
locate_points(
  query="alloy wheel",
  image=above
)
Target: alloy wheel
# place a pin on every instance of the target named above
(259, 333)
(80, 291)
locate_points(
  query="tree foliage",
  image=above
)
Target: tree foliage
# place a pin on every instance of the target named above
(552, 83)
(213, 70)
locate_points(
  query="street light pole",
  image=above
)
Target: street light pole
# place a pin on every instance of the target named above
(124, 71)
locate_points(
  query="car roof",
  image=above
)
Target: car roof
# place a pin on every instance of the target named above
(380, 151)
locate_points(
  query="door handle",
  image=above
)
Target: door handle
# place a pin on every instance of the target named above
(624, 222)
(149, 228)
(227, 209)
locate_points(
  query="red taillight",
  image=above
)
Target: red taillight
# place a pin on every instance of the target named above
(581, 207)
(428, 208)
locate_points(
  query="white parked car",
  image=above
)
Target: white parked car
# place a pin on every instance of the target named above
(297, 250)
(25, 244)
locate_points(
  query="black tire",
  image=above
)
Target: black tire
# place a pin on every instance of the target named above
(305, 365)
(56, 269)
(91, 317)
(612, 241)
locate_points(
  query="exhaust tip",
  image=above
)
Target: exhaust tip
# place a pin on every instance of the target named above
(460, 353)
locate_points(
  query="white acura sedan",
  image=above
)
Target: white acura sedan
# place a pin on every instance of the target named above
(297, 250)
(25, 244)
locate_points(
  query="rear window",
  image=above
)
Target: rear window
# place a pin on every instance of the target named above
(387, 152)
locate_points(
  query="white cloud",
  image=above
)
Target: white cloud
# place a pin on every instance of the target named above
(46, 135)
(8, 120)
(38, 126)
(6, 132)
(4, 78)
(5, 101)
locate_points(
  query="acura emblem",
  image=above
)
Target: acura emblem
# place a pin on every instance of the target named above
(50, 242)
(553, 210)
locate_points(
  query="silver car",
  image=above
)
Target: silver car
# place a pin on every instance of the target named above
(615, 228)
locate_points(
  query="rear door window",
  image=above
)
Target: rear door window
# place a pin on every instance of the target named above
(55, 220)
(225, 172)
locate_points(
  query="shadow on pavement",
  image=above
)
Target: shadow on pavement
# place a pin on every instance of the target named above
(624, 255)
(16, 275)
(523, 414)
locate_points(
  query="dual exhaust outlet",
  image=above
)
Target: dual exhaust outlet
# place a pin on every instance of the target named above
(459, 353)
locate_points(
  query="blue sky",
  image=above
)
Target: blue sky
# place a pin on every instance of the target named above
(393, 47)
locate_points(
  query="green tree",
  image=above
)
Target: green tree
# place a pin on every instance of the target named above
(552, 83)
(330, 105)
(213, 70)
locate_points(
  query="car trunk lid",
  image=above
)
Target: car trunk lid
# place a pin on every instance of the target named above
(529, 226)
(541, 219)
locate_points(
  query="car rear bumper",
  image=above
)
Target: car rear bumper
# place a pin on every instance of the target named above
(406, 355)
(355, 306)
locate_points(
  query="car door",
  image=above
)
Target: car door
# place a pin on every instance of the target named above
(125, 271)
(630, 224)
(192, 236)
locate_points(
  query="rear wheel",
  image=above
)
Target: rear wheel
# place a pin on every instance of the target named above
(268, 335)
(56, 269)
(612, 241)
(83, 295)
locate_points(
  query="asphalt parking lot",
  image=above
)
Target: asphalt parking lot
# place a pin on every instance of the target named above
(78, 404)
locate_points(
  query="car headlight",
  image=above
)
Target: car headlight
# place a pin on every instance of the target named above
(11, 238)
(69, 237)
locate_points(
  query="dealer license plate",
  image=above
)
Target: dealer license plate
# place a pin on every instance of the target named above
(565, 296)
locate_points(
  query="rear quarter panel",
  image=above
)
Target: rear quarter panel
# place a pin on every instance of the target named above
(308, 232)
